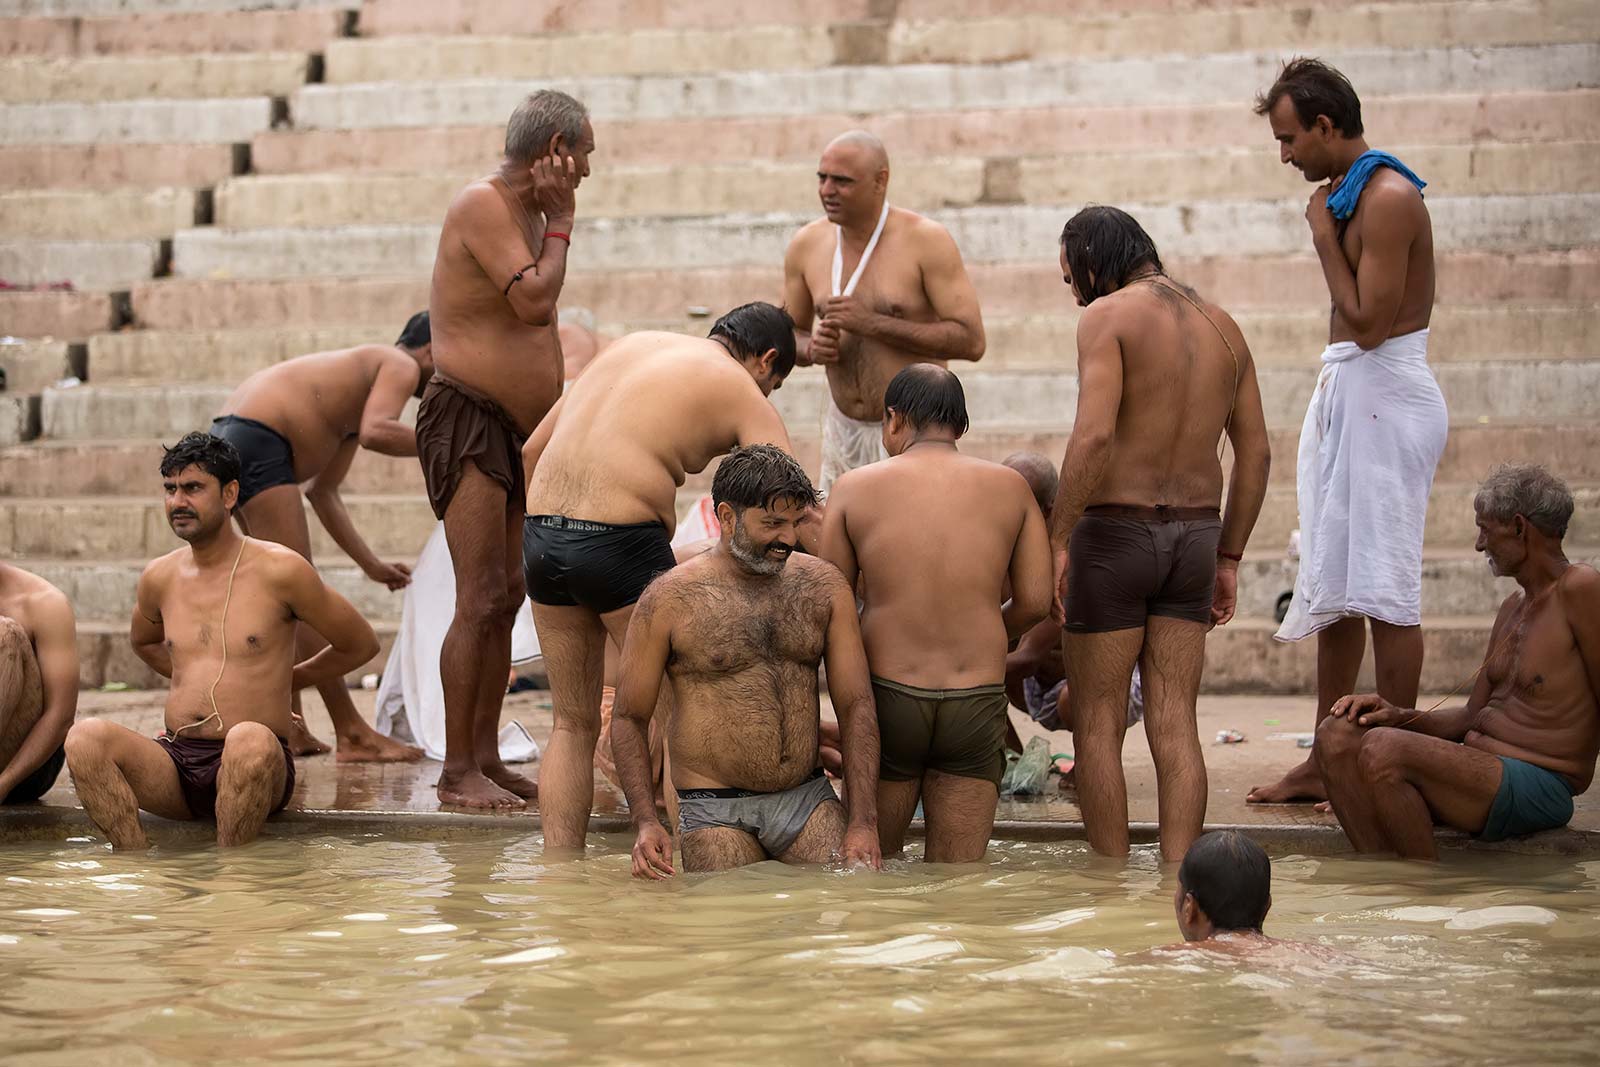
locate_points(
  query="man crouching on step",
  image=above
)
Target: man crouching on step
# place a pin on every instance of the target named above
(741, 631)
(218, 618)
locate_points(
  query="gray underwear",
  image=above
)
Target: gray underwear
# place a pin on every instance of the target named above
(774, 819)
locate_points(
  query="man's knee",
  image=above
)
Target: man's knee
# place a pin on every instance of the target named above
(1382, 755)
(251, 747)
(89, 739)
(1337, 740)
(581, 720)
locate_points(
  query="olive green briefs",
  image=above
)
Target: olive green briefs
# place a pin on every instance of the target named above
(953, 731)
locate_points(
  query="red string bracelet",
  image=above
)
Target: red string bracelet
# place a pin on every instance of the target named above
(567, 237)
(1229, 555)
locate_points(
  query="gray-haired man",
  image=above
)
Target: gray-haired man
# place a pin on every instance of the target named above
(1510, 761)
(497, 355)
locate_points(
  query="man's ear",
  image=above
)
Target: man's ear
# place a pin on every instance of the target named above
(726, 517)
(1521, 525)
(230, 495)
(1191, 910)
(557, 146)
(768, 358)
(1324, 127)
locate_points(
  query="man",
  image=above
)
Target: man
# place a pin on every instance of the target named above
(741, 631)
(604, 468)
(915, 304)
(496, 281)
(218, 617)
(1511, 760)
(935, 536)
(1376, 425)
(38, 683)
(1224, 893)
(1162, 376)
(301, 421)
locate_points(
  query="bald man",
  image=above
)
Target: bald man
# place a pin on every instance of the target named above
(873, 289)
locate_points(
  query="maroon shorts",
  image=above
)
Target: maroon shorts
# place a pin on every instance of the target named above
(198, 760)
(455, 424)
(1126, 564)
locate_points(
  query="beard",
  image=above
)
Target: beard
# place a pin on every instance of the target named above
(754, 558)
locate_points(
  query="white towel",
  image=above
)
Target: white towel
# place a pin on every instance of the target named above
(847, 444)
(1372, 438)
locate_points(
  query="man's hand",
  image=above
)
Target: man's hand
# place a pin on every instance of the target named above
(1226, 597)
(846, 313)
(824, 347)
(860, 848)
(1370, 709)
(394, 575)
(1058, 606)
(1319, 217)
(652, 852)
(554, 179)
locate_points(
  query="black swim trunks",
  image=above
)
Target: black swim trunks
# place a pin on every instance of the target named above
(597, 565)
(199, 759)
(1128, 563)
(266, 459)
(39, 782)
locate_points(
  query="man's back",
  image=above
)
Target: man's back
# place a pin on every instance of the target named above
(1179, 382)
(934, 534)
(651, 409)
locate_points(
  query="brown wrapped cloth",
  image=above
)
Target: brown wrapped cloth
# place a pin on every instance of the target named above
(455, 424)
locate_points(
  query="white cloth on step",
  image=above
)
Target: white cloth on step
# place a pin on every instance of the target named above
(847, 444)
(1373, 434)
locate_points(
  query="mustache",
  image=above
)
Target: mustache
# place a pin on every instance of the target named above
(181, 514)
(780, 549)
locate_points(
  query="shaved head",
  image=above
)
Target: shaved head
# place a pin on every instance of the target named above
(871, 149)
(1040, 474)
(853, 179)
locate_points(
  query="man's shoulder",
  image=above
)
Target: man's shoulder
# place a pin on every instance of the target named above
(807, 236)
(815, 572)
(927, 234)
(280, 564)
(1390, 192)
(473, 200)
(1580, 587)
(30, 599)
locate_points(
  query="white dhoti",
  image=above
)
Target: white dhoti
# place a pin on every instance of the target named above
(1372, 438)
(847, 444)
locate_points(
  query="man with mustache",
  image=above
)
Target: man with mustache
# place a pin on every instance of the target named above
(1511, 760)
(740, 631)
(300, 422)
(219, 617)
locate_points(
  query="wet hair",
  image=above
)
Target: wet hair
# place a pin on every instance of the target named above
(752, 329)
(1103, 246)
(759, 476)
(1230, 878)
(213, 455)
(1529, 490)
(418, 332)
(1040, 475)
(1316, 89)
(538, 119)
(925, 394)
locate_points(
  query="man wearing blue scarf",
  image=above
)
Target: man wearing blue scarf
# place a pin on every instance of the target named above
(1376, 424)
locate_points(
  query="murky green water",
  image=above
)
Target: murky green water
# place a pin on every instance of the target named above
(324, 950)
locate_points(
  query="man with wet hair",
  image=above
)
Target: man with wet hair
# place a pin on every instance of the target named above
(740, 631)
(1163, 376)
(219, 618)
(501, 264)
(1224, 890)
(301, 421)
(38, 683)
(935, 536)
(604, 469)
(1511, 759)
(1376, 424)
(914, 304)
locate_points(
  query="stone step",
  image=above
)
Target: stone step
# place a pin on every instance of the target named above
(226, 121)
(984, 234)
(19, 418)
(106, 657)
(1513, 117)
(381, 18)
(1553, 392)
(336, 200)
(175, 32)
(50, 78)
(30, 366)
(107, 468)
(97, 216)
(1037, 342)
(137, 8)
(117, 166)
(1238, 283)
(82, 264)
(1233, 77)
(55, 313)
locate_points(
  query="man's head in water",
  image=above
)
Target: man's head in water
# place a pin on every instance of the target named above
(1315, 113)
(1040, 474)
(550, 123)
(761, 494)
(1224, 886)
(200, 475)
(761, 337)
(853, 179)
(1522, 512)
(416, 341)
(1102, 248)
(924, 402)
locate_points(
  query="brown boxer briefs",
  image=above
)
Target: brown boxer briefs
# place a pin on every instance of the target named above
(199, 760)
(1127, 563)
(455, 424)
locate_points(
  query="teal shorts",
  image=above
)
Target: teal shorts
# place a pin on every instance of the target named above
(1530, 799)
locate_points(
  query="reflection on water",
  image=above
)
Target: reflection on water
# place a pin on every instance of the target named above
(473, 951)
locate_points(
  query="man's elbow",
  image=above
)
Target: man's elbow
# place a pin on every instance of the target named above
(536, 309)
(972, 347)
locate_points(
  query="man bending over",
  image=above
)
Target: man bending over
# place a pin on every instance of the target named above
(38, 683)
(218, 617)
(301, 421)
(741, 630)
(1512, 759)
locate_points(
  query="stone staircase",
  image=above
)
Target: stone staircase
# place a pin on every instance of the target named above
(229, 183)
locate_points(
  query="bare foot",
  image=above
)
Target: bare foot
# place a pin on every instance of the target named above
(1324, 808)
(301, 742)
(508, 779)
(1300, 786)
(372, 747)
(474, 791)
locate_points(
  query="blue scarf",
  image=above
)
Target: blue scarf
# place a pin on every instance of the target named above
(1343, 200)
